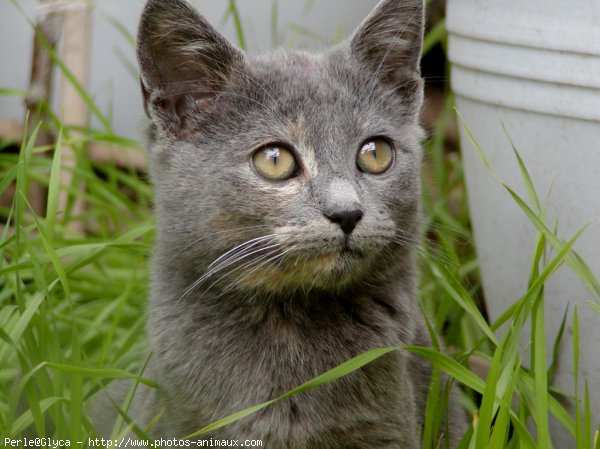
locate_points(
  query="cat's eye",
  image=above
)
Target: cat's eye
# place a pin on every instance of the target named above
(276, 163)
(375, 157)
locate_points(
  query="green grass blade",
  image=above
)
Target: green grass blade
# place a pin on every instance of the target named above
(587, 418)
(23, 180)
(437, 150)
(556, 346)
(540, 373)
(275, 40)
(433, 416)
(13, 92)
(131, 425)
(101, 373)
(62, 275)
(525, 439)
(128, 241)
(450, 366)
(578, 422)
(529, 186)
(239, 29)
(21, 325)
(539, 281)
(434, 36)
(26, 419)
(478, 148)
(488, 402)
(8, 178)
(526, 386)
(53, 188)
(501, 429)
(123, 416)
(462, 298)
(122, 30)
(575, 262)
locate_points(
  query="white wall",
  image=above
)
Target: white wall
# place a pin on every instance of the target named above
(116, 89)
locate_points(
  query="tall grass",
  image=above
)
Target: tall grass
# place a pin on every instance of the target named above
(72, 305)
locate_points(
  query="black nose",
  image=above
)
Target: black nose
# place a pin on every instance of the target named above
(346, 219)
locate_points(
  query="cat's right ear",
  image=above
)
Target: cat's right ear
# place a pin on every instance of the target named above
(184, 63)
(389, 41)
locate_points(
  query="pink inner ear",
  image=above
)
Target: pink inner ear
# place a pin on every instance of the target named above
(191, 102)
(184, 100)
(204, 103)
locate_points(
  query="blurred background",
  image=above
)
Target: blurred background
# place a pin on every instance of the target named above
(101, 47)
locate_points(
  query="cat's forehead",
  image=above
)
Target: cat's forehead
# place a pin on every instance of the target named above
(287, 64)
(294, 60)
(298, 75)
(319, 91)
(300, 92)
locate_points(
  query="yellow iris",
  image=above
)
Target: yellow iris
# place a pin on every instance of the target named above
(275, 163)
(375, 157)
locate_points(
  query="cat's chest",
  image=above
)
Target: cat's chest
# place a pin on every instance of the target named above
(265, 367)
(239, 365)
(220, 365)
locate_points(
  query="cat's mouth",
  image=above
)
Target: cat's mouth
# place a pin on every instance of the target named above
(345, 254)
(342, 250)
(328, 266)
(349, 247)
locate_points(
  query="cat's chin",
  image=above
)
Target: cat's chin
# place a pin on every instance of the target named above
(330, 269)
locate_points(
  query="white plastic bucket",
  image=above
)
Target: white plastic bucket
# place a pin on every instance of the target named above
(533, 66)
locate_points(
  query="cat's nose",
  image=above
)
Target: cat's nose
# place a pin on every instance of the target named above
(347, 219)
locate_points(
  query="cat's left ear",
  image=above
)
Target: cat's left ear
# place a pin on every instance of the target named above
(184, 62)
(390, 39)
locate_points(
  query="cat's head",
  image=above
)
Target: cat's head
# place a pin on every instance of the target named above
(287, 170)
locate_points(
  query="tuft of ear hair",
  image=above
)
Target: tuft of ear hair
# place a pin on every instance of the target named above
(183, 60)
(390, 39)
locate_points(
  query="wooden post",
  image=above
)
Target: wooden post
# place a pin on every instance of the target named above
(47, 30)
(75, 54)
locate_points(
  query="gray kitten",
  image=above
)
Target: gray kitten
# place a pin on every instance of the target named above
(288, 201)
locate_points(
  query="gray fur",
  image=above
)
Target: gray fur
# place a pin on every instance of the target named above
(233, 324)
